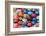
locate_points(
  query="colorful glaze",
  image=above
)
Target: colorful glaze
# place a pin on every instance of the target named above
(25, 18)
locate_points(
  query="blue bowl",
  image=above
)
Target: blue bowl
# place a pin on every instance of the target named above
(33, 22)
(25, 11)
(34, 19)
(30, 12)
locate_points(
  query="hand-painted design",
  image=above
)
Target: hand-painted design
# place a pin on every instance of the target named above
(25, 17)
